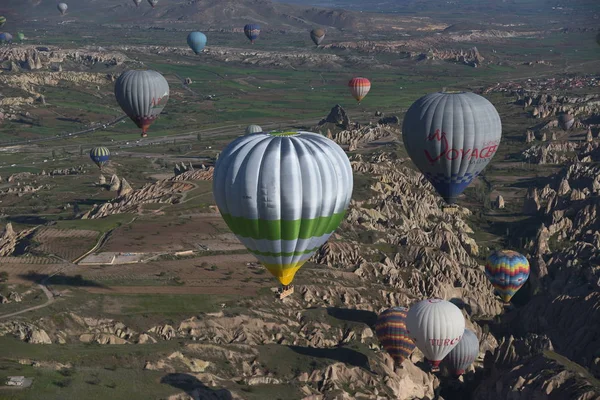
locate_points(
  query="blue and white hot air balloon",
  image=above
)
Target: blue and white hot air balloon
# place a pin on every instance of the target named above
(451, 137)
(252, 31)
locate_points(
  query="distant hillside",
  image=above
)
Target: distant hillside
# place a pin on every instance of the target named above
(213, 13)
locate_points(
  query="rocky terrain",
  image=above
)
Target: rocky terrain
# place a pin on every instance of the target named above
(397, 245)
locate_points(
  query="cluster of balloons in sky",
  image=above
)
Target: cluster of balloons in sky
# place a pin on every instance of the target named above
(284, 193)
(436, 327)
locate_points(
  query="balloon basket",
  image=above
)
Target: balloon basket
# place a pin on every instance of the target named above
(284, 292)
(450, 209)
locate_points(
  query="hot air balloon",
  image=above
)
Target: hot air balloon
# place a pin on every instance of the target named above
(197, 41)
(359, 87)
(317, 35)
(508, 271)
(253, 129)
(153, 2)
(62, 7)
(6, 37)
(137, 2)
(391, 333)
(20, 36)
(566, 121)
(451, 137)
(252, 31)
(100, 156)
(283, 194)
(2, 21)
(142, 95)
(464, 354)
(436, 326)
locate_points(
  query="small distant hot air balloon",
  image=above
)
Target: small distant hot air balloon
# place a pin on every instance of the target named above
(317, 35)
(142, 95)
(137, 2)
(253, 129)
(566, 121)
(2, 21)
(20, 36)
(153, 3)
(359, 87)
(196, 41)
(508, 271)
(6, 37)
(391, 333)
(283, 194)
(451, 137)
(464, 354)
(100, 156)
(62, 7)
(252, 31)
(436, 326)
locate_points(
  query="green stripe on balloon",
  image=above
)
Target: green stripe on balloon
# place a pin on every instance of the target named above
(281, 229)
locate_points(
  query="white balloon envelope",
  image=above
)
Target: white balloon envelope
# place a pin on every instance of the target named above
(436, 326)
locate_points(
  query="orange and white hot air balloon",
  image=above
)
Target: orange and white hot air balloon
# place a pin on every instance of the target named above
(359, 87)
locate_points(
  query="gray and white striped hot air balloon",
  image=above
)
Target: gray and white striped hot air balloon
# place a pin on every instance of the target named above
(464, 354)
(153, 2)
(283, 194)
(436, 326)
(451, 137)
(137, 2)
(142, 95)
(252, 129)
(62, 7)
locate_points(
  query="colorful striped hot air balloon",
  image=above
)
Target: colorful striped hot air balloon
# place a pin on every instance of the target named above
(100, 156)
(464, 354)
(252, 31)
(391, 333)
(436, 326)
(253, 129)
(508, 271)
(2, 20)
(451, 137)
(142, 95)
(359, 87)
(283, 194)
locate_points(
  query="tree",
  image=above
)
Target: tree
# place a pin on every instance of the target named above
(53, 153)
(3, 276)
(199, 137)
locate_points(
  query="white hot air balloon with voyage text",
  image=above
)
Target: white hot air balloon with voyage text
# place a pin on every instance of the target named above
(436, 326)
(451, 137)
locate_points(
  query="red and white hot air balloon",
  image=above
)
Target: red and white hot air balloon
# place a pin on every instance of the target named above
(359, 87)
(436, 326)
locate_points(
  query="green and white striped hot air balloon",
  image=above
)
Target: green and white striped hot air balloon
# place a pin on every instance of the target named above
(283, 194)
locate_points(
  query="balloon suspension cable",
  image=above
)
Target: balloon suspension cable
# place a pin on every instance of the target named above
(285, 291)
